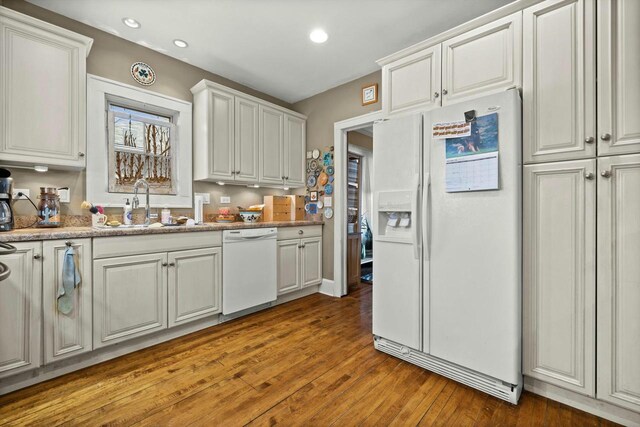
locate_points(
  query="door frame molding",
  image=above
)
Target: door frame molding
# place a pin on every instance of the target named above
(340, 153)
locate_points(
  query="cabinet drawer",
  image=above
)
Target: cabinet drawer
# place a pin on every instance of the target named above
(285, 233)
(106, 247)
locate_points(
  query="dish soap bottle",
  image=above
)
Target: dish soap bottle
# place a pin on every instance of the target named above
(126, 216)
(165, 216)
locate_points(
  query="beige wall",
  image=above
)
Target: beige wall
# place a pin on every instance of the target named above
(323, 110)
(111, 57)
(359, 139)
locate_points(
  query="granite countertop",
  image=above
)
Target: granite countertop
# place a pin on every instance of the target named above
(30, 234)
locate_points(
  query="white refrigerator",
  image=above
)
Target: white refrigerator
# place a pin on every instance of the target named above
(447, 243)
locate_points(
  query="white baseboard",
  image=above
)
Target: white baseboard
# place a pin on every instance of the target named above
(584, 403)
(327, 287)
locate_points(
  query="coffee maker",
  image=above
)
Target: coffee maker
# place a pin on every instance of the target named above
(6, 192)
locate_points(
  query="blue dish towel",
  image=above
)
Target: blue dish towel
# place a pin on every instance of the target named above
(70, 281)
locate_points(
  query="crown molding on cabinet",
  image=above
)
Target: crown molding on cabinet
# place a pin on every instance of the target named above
(487, 18)
(54, 29)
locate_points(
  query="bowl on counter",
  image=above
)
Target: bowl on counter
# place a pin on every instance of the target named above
(250, 216)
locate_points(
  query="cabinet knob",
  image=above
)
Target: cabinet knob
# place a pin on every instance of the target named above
(81, 154)
(237, 172)
(436, 95)
(444, 91)
(605, 136)
(164, 264)
(606, 174)
(172, 264)
(588, 175)
(589, 140)
(37, 256)
(286, 177)
(303, 246)
(300, 232)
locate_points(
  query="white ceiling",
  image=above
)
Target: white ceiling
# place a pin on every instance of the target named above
(264, 44)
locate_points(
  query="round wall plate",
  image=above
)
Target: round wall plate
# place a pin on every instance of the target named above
(316, 153)
(328, 213)
(143, 73)
(320, 204)
(313, 165)
(311, 181)
(330, 170)
(328, 189)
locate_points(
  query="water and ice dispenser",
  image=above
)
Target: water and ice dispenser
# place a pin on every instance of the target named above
(394, 220)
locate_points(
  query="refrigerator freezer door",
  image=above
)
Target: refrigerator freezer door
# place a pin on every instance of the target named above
(397, 312)
(474, 287)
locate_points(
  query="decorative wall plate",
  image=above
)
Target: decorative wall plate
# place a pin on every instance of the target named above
(313, 165)
(320, 204)
(330, 170)
(328, 189)
(316, 153)
(327, 159)
(323, 178)
(143, 73)
(328, 213)
(311, 181)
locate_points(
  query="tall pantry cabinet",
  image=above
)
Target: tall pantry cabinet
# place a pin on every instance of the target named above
(582, 197)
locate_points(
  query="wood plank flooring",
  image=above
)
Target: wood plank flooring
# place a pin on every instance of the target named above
(308, 362)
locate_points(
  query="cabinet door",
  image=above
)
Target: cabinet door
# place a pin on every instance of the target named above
(618, 77)
(619, 281)
(221, 135)
(483, 61)
(412, 82)
(130, 298)
(559, 274)
(271, 145)
(311, 261)
(247, 144)
(42, 80)
(288, 266)
(195, 284)
(70, 334)
(294, 151)
(20, 308)
(558, 81)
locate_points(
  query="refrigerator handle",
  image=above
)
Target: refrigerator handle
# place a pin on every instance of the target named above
(426, 215)
(416, 224)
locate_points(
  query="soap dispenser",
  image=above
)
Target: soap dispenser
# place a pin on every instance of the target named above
(126, 215)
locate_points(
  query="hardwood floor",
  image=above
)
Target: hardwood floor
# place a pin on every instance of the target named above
(308, 362)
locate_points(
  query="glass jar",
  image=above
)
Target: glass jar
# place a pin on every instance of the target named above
(49, 208)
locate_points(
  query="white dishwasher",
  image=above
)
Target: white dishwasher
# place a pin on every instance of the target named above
(249, 262)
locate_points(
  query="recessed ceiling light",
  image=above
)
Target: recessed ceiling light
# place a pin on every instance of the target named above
(130, 22)
(318, 36)
(180, 43)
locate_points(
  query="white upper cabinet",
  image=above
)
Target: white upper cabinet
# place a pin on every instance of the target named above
(43, 81)
(271, 145)
(559, 81)
(247, 141)
(618, 77)
(294, 151)
(619, 280)
(412, 82)
(213, 125)
(483, 61)
(242, 139)
(559, 274)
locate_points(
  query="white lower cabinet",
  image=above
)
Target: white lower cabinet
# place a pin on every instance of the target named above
(195, 283)
(559, 274)
(299, 264)
(66, 335)
(619, 281)
(130, 297)
(20, 316)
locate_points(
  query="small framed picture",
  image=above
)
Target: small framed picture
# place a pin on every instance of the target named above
(314, 196)
(370, 94)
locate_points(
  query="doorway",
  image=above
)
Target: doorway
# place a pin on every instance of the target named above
(359, 255)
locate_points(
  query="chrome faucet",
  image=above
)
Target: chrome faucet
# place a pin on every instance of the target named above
(136, 202)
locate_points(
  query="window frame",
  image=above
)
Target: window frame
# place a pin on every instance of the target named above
(100, 93)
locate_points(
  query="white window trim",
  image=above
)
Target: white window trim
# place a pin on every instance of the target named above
(99, 92)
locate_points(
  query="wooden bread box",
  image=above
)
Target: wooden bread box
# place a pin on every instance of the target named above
(276, 208)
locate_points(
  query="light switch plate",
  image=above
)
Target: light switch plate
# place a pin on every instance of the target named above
(65, 195)
(225, 199)
(206, 198)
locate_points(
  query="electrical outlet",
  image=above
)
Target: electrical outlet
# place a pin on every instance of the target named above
(65, 195)
(225, 199)
(20, 190)
(206, 198)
